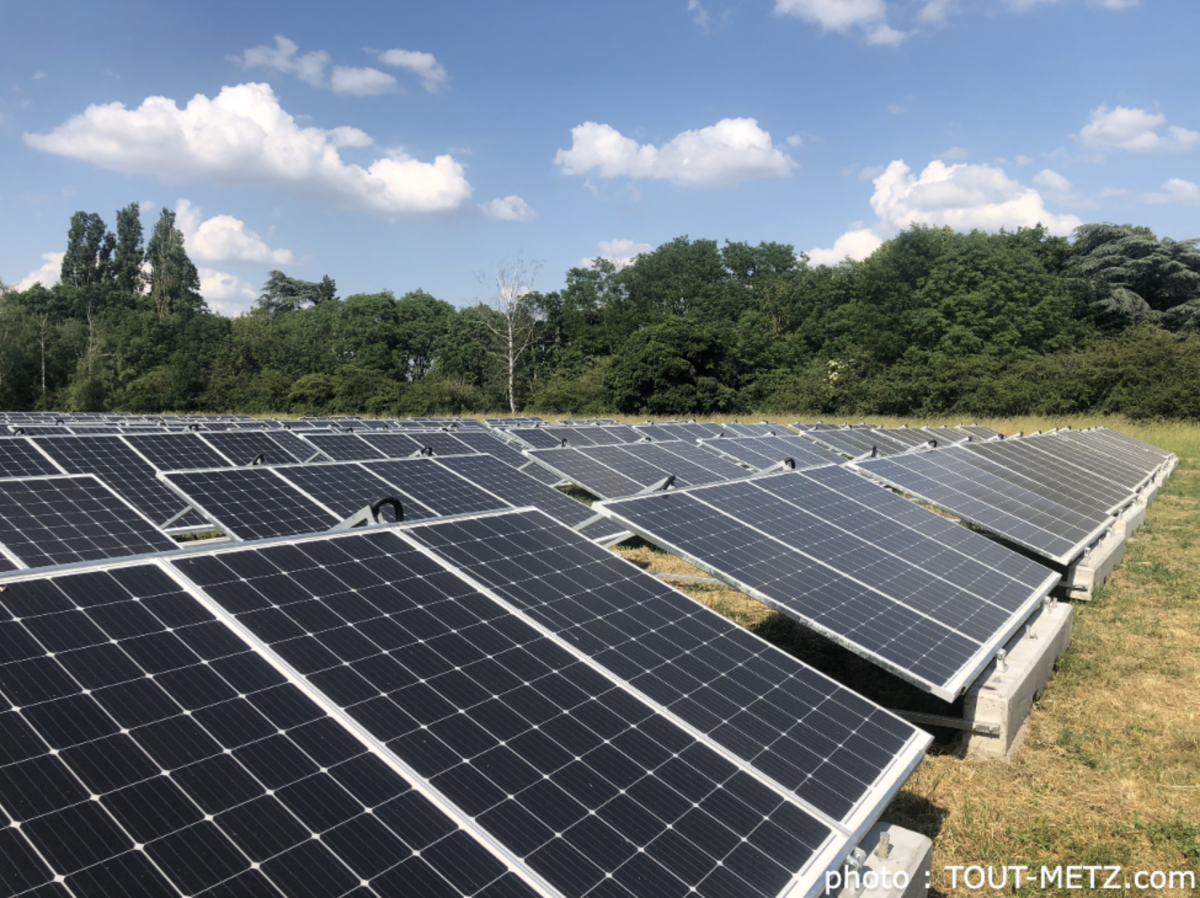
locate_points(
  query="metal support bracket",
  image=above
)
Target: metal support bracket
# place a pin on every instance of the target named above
(370, 515)
(178, 517)
(953, 723)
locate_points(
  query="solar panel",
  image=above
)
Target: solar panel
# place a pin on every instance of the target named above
(251, 503)
(176, 451)
(764, 429)
(243, 447)
(556, 758)
(346, 488)
(1118, 462)
(433, 486)
(924, 608)
(678, 431)
(764, 452)
(1127, 440)
(123, 469)
(20, 458)
(205, 767)
(395, 445)
(578, 467)
(945, 479)
(72, 518)
(442, 443)
(980, 431)
(517, 489)
(905, 436)
(816, 425)
(535, 437)
(691, 464)
(630, 464)
(1069, 486)
(946, 435)
(495, 446)
(343, 446)
(851, 442)
(294, 446)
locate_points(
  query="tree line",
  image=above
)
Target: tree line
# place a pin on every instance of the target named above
(934, 322)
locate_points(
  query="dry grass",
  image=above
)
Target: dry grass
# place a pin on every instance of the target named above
(1110, 771)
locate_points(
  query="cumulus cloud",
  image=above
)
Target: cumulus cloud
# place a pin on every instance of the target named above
(431, 72)
(795, 140)
(1052, 181)
(509, 208)
(224, 292)
(866, 16)
(955, 153)
(224, 238)
(621, 252)
(699, 14)
(1175, 190)
(285, 56)
(1134, 130)
(721, 155)
(962, 196)
(364, 82)
(243, 137)
(856, 244)
(47, 275)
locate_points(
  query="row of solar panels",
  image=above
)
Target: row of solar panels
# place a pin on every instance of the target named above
(579, 727)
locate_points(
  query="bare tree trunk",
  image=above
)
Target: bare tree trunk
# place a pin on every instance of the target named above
(42, 342)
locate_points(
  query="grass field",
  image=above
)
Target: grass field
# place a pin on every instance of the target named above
(1110, 771)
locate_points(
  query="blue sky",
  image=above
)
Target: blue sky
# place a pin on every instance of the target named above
(402, 145)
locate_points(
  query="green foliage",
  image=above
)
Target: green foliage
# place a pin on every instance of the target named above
(935, 322)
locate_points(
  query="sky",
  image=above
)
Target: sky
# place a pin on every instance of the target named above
(403, 146)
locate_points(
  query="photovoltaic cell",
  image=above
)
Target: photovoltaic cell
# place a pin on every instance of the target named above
(696, 465)
(1066, 484)
(19, 458)
(1093, 453)
(148, 751)
(535, 437)
(515, 488)
(69, 519)
(251, 503)
(294, 446)
(920, 605)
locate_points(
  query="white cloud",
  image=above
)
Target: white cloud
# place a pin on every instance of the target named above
(509, 208)
(870, 173)
(954, 153)
(868, 16)
(1135, 130)
(37, 76)
(621, 252)
(1176, 190)
(243, 137)
(857, 245)
(699, 14)
(1052, 181)
(961, 196)
(224, 292)
(285, 57)
(896, 109)
(795, 140)
(365, 82)
(1023, 160)
(721, 155)
(224, 238)
(936, 11)
(431, 72)
(47, 275)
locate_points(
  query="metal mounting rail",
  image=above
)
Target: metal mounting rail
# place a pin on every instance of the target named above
(953, 723)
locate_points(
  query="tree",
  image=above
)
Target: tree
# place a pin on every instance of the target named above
(422, 321)
(130, 252)
(1145, 276)
(287, 294)
(516, 327)
(677, 367)
(89, 250)
(174, 281)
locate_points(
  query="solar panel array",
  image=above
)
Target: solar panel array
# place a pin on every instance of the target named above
(925, 599)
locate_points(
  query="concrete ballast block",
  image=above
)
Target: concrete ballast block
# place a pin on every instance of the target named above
(1005, 697)
(902, 872)
(1089, 574)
